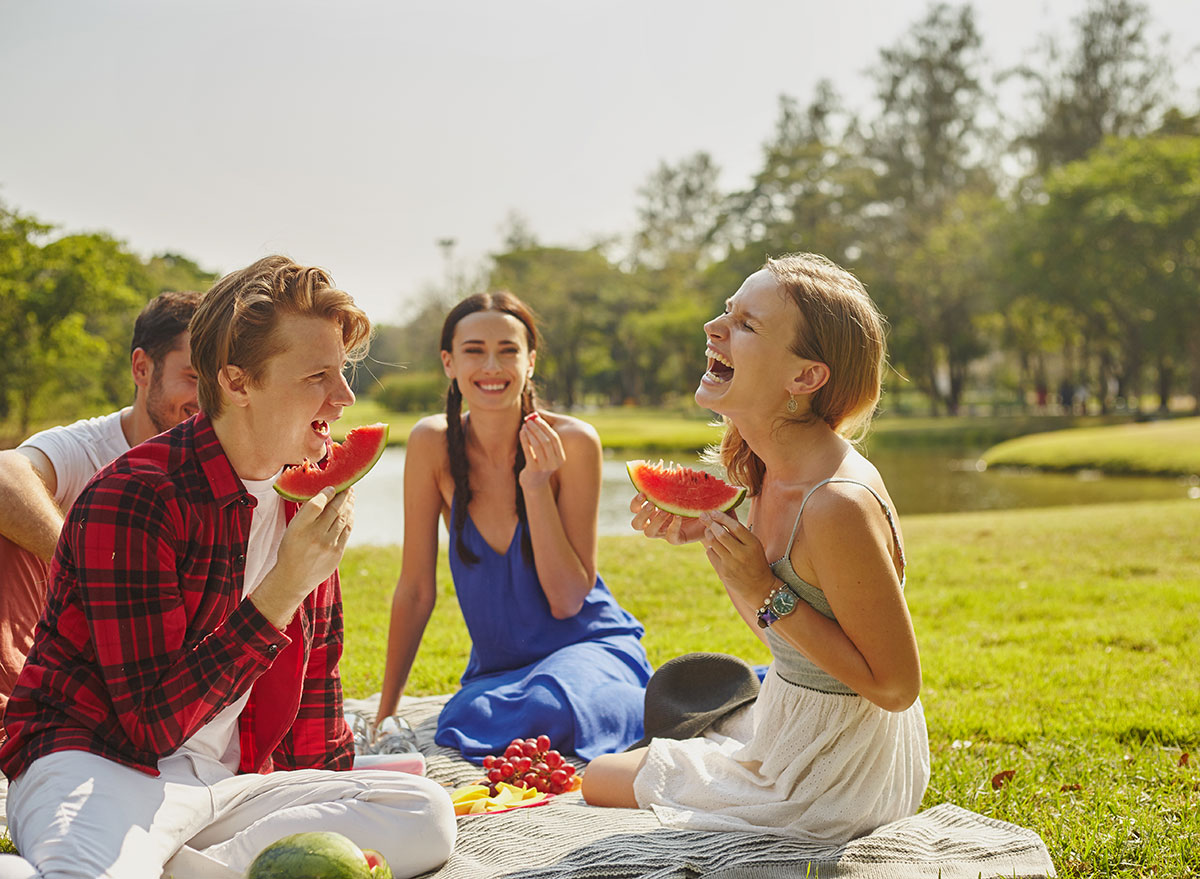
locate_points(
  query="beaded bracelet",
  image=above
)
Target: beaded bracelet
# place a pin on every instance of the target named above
(779, 603)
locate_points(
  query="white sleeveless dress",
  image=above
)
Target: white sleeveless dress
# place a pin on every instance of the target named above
(808, 758)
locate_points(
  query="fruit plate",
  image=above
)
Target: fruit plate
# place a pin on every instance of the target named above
(474, 799)
(543, 801)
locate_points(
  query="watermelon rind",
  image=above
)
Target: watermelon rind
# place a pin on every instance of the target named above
(318, 854)
(302, 482)
(682, 475)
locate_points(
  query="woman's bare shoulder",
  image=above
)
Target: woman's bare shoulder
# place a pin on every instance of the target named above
(572, 429)
(428, 436)
(845, 503)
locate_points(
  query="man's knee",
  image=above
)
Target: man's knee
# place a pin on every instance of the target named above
(16, 867)
(440, 829)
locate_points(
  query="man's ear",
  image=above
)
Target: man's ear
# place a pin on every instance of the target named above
(233, 381)
(142, 367)
(810, 379)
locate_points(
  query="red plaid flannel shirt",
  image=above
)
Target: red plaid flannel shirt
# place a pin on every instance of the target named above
(145, 636)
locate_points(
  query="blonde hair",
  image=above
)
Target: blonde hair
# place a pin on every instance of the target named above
(235, 323)
(837, 325)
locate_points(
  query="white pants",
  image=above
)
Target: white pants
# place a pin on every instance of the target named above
(75, 815)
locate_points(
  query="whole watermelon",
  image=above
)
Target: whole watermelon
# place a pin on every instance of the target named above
(317, 855)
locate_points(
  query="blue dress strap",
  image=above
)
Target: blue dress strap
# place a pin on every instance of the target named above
(887, 511)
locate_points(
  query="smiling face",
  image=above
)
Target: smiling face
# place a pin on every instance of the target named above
(169, 395)
(302, 389)
(490, 359)
(750, 366)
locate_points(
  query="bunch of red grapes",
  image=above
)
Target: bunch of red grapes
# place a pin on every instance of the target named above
(530, 763)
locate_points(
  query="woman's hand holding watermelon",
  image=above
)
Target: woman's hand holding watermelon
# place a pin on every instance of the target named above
(737, 556)
(653, 522)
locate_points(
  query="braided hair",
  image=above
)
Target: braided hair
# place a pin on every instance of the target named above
(456, 441)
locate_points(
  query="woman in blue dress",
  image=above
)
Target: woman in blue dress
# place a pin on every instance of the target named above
(551, 650)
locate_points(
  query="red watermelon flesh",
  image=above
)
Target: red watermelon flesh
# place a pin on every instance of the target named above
(682, 490)
(345, 464)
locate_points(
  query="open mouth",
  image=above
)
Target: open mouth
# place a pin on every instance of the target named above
(720, 370)
(492, 387)
(321, 429)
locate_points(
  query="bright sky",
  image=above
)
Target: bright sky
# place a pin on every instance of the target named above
(355, 134)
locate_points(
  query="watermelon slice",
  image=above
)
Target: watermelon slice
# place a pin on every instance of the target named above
(345, 464)
(682, 490)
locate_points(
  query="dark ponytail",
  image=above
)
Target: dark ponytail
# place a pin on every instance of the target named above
(457, 446)
(528, 405)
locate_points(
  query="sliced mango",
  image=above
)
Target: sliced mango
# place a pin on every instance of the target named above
(473, 799)
(469, 792)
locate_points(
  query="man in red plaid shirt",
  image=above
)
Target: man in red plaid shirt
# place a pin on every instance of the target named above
(190, 643)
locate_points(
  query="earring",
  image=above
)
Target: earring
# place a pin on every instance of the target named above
(791, 404)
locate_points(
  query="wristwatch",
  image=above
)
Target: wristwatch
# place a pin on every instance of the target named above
(779, 603)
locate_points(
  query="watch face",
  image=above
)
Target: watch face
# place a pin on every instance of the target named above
(784, 602)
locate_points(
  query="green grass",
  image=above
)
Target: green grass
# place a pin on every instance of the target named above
(1152, 448)
(1059, 643)
(973, 431)
(653, 430)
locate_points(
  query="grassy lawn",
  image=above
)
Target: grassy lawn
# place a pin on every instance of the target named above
(1158, 447)
(1060, 644)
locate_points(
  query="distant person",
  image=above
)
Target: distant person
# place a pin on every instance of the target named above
(40, 479)
(188, 654)
(551, 650)
(835, 743)
(1066, 396)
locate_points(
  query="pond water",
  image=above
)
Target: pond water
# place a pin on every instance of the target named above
(921, 480)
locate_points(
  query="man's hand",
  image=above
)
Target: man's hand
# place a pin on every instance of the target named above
(309, 553)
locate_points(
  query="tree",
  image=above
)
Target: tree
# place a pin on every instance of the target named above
(580, 299)
(927, 146)
(679, 215)
(173, 271)
(63, 335)
(948, 291)
(20, 258)
(1114, 82)
(928, 137)
(1119, 243)
(812, 188)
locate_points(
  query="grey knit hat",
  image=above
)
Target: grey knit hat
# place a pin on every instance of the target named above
(688, 694)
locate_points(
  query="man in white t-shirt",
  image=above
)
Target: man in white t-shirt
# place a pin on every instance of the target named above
(40, 479)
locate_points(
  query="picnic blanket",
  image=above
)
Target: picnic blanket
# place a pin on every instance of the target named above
(567, 839)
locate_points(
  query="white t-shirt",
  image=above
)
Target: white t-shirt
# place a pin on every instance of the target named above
(217, 740)
(78, 450)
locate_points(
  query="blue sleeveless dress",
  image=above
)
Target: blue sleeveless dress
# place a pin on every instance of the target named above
(581, 681)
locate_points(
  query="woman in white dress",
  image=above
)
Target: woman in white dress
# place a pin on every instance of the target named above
(835, 744)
